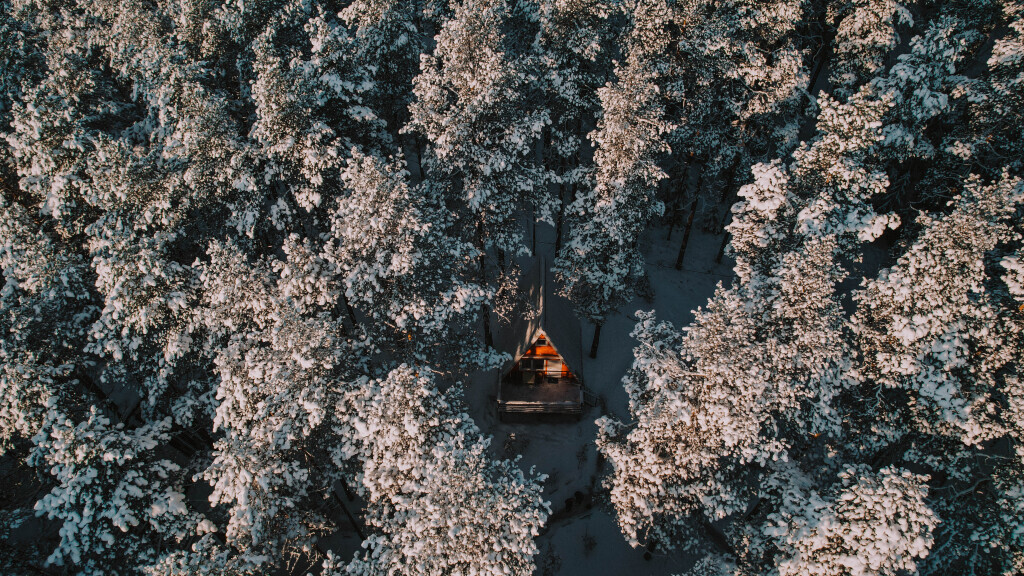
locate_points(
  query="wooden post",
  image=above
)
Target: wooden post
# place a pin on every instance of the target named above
(686, 236)
(597, 338)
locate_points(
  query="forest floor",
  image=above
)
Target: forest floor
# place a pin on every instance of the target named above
(582, 536)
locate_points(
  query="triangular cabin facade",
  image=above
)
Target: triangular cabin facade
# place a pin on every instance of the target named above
(545, 374)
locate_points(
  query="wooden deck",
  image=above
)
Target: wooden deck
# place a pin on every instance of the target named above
(559, 396)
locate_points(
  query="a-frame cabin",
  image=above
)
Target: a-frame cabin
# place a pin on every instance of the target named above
(545, 374)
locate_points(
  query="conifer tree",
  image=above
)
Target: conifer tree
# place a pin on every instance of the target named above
(600, 261)
(397, 257)
(479, 106)
(436, 499)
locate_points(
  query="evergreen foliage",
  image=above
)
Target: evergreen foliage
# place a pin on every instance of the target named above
(251, 250)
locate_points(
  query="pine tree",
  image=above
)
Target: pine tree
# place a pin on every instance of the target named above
(479, 106)
(396, 257)
(735, 102)
(575, 43)
(438, 502)
(310, 111)
(866, 31)
(600, 262)
(940, 345)
(47, 306)
(280, 402)
(389, 39)
(118, 497)
(793, 226)
(866, 522)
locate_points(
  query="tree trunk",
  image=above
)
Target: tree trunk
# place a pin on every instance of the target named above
(721, 249)
(730, 179)
(488, 338)
(419, 156)
(101, 395)
(728, 199)
(545, 148)
(344, 486)
(681, 190)
(533, 234)
(686, 235)
(351, 518)
(351, 312)
(597, 338)
(560, 220)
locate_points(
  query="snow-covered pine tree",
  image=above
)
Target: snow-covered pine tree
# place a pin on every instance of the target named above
(941, 348)
(927, 327)
(118, 493)
(397, 258)
(46, 308)
(438, 502)
(732, 102)
(866, 32)
(793, 226)
(575, 41)
(284, 380)
(310, 111)
(600, 261)
(706, 429)
(864, 522)
(673, 463)
(480, 106)
(388, 42)
(982, 137)
(126, 183)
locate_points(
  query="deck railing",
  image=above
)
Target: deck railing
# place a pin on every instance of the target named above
(541, 408)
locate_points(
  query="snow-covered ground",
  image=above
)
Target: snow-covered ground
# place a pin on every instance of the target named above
(586, 539)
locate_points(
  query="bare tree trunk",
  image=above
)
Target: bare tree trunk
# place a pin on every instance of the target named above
(597, 338)
(351, 312)
(419, 156)
(560, 220)
(721, 249)
(488, 338)
(351, 518)
(686, 235)
(533, 234)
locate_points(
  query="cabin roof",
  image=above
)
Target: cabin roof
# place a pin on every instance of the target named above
(545, 311)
